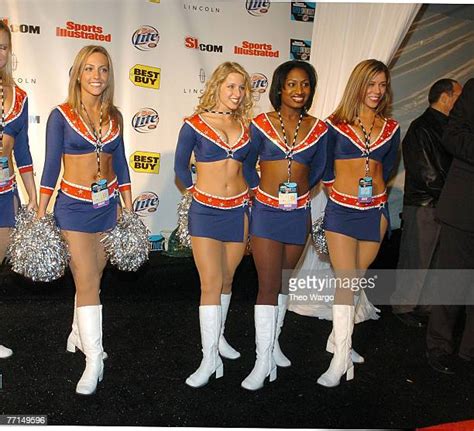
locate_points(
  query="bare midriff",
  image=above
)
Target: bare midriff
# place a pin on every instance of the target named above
(81, 169)
(223, 178)
(275, 172)
(349, 171)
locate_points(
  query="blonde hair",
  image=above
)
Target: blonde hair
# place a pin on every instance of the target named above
(74, 91)
(208, 99)
(356, 89)
(7, 72)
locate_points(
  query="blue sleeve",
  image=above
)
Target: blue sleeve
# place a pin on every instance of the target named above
(119, 163)
(391, 157)
(54, 151)
(184, 149)
(250, 162)
(318, 164)
(21, 148)
(328, 176)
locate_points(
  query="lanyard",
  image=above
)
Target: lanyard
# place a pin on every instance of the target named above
(367, 143)
(289, 150)
(97, 135)
(2, 116)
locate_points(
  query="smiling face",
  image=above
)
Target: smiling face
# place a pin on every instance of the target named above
(95, 76)
(296, 89)
(231, 92)
(376, 89)
(4, 48)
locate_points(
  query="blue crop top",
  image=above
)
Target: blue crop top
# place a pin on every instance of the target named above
(66, 133)
(198, 136)
(267, 144)
(16, 126)
(344, 143)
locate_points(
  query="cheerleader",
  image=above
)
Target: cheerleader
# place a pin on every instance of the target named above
(362, 150)
(85, 133)
(217, 132)
(13, 142)
(291, 146)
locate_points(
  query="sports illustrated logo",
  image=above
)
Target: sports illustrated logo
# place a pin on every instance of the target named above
(145, 120)
(303, 11)
(257, 7)
(22, 28)
(202, 76)
(193, 43)
(145, 162)
(145, 76)
(256, 49)
(300, 49)
(259, 84)
(83, 31)
(199, 8)
(145, 38)
(146, 203)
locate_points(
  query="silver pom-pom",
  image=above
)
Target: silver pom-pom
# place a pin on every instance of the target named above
(37, 249)
(127, 244)
(183, 209)
(319, 237)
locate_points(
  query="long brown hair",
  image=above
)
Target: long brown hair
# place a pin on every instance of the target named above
(6, 73)
(208, 99)
(356, 89)
(74, 91)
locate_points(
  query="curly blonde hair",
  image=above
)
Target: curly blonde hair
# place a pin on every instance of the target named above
(208, 100)
(7, 72)
(356, 89)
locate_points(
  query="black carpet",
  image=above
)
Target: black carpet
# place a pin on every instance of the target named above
(151, 334)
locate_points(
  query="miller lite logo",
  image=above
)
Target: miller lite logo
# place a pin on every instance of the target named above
(257, 7)
(146, 203)
(145, 120)
(259, 83)
(145, 38)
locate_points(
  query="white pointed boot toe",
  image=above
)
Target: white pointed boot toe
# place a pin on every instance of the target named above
(210, 323)
(225, 349)
(5, 352)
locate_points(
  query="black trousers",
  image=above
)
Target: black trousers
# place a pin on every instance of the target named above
(456, 251)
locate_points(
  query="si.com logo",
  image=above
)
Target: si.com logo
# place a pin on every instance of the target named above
(146, 203)
(259, 84)
(148, 163)
(145, 120)
(22, 28)
(193, 43)
(145, 38)
(257, 7)
(145, 76)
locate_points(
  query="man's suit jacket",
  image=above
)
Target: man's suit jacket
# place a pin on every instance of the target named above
(456, 203)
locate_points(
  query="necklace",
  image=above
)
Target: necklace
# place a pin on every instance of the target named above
(97, 136)
(367, 143)
(211, 111)
(289, 150)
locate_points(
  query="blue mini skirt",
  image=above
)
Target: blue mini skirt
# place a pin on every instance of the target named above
(8, 203)
(81, 216)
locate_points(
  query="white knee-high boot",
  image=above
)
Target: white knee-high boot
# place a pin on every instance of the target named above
(5, 352)
(210, 323)
(356, 358)
(280, 359)
(341, 363)
(89, 319)
(73, 340)
(265, 329)
(225, 349)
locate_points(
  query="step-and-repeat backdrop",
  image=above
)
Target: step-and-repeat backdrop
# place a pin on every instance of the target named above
(163, 52)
